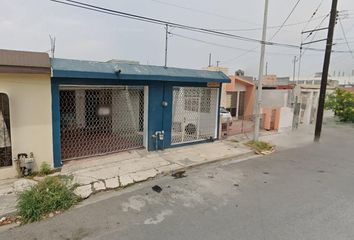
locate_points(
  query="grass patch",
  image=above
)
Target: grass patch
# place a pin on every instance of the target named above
(260, 146)
(51, 194)
(45, 169)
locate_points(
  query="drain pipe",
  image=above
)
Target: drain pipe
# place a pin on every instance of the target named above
(162, 138)
(156, 136)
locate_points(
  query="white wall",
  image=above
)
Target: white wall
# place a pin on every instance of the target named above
(30, 117)
(275, 97)
(285, 119)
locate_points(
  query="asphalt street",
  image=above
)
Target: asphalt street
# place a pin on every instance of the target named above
(300, 193)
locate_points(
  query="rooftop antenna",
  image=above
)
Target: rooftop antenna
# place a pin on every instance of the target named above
(52, 45)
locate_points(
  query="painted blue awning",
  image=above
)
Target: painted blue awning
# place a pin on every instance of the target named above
(69, 68)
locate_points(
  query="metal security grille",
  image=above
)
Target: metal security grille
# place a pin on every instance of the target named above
(97, 120)
(5, 138)
(194, 114)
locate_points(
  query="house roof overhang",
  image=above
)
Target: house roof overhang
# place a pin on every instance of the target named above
(69, 68)
(12, 61)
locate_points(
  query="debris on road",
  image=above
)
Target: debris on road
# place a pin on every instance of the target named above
(236, 185)
(8, 220)
(179, 174)
(265, 172)
(157, 188)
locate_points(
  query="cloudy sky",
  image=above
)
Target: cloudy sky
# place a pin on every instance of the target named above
(82, 34)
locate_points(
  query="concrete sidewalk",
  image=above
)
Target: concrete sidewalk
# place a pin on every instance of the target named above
(7, 197)
(119, 170)
(122, 169)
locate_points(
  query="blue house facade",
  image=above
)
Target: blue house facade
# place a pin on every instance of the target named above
(105, 107)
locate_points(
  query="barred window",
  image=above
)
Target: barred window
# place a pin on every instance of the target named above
(5, 138)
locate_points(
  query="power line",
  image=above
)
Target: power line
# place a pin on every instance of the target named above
(269, 27)
(301, 53)
(203, 12)
(286, 19)
(172, 24)
(222, 45)
(313, 36)
(316, 29)
(313, 15)
(345, 38)
(280, 27)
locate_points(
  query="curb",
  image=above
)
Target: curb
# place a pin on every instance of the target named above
(243, 156)
(226, 158)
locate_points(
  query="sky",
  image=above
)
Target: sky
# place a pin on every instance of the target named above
(87, 35)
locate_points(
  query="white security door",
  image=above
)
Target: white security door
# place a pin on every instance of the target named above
(194, 114)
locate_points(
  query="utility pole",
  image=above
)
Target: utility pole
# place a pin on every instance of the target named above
(327, 58)
(294, 61)
(209, 60)
(166, 44)
(52, 45)
(299, 65)
(266, 69)
(260, 76)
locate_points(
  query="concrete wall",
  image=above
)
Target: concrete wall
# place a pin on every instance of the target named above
(282, 117)
(309, 102)
(30, 117)
(249, 100)
(286, 119)
(271, 113)
(275, 98)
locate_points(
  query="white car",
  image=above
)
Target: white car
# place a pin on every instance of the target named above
(225, 116)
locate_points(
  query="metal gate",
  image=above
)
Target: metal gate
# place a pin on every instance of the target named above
(194, 114)
(100, 120)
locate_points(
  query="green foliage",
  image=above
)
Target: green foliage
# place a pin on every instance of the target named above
(45, 169)
(260, 146)
(47, 196)
(341, 102)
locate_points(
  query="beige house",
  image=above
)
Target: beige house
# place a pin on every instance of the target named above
(25, 109)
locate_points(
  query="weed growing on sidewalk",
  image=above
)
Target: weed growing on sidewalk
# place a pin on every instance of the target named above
(49, 195)
(45, 169)
(260, 146)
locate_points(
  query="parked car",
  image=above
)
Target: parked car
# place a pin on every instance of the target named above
(225, 116)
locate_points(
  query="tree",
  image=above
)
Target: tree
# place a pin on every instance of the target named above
(341, 102)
